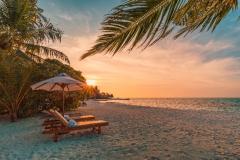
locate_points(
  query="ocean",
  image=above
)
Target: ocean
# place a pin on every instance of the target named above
(213, 104)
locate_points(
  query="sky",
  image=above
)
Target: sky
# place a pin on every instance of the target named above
(199, 65)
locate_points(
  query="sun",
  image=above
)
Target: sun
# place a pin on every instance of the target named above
(91, 82)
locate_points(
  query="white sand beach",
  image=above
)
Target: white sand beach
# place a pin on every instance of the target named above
(134, 133)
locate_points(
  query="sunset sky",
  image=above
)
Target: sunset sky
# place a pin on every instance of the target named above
(200, 65)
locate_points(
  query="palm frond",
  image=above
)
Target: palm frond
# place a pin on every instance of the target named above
(145, 22)
(23, 26)
(29, 56)
(35, 50)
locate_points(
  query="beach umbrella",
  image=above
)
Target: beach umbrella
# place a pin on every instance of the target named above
(61, 82)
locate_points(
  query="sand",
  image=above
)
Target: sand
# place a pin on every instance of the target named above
(134, 133)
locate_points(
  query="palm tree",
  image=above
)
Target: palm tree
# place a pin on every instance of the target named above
(145, 22)
(24, 30)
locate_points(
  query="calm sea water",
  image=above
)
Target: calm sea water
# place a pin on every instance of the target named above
(216, 104)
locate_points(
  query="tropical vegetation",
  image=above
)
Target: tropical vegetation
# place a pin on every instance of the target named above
(144, 22)
(18, 100)
(25, 60)
(14, 84)
(24, 30)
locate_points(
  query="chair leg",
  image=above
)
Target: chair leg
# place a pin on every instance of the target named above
(55, 134)
(94, 129)
(55, 137)
(99, 130)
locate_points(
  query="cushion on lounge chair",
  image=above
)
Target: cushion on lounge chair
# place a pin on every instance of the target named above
(72, 123)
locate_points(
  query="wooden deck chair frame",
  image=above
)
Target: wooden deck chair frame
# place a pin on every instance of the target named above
(62, 129)
(70, 113)
(51, 120)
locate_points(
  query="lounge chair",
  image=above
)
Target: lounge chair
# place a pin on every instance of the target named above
(70, 113)
(80, 118)
(54, 122)
(62, 129)
(77, 117)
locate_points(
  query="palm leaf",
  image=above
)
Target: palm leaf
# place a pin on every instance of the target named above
(145, 22)
(24, 27)
(38, 51)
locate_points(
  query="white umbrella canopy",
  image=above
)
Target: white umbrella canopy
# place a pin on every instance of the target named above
(61, 82)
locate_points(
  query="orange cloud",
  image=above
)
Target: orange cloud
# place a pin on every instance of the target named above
(168, 69)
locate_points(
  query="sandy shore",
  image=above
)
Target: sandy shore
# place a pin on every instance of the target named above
(134, 133)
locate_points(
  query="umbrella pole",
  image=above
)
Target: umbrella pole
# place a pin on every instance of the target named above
(63, 100)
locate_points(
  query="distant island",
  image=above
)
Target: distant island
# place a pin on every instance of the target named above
(111, 98)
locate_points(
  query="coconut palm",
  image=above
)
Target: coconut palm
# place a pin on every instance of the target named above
(24, 30)
(145, 22)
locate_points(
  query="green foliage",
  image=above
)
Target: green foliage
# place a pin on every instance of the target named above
(50, 68)
(23, 32)
(18, 73)
(14, 83)
(24, 29)
(145, 22)
(45, 100)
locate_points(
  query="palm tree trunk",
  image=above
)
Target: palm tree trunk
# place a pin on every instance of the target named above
(13, 113)
(13, 116)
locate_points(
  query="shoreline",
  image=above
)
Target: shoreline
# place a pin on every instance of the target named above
(168, 108)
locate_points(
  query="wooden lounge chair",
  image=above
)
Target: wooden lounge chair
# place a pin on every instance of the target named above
(54, 122)
(80, 118)
(50, 120)
(62, 129)
(70, 113)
